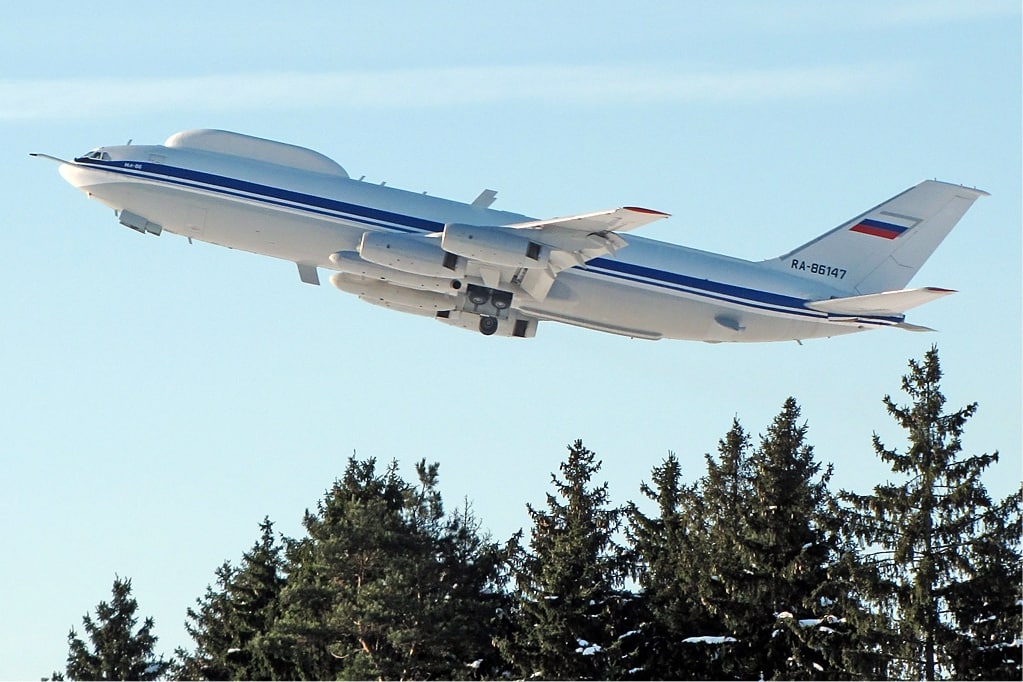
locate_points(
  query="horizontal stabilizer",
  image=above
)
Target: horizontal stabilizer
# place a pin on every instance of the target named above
(885, 303)
(906, 326)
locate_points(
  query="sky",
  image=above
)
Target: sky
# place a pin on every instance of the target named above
(159, 399)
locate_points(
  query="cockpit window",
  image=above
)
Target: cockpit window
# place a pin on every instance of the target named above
(98, 155)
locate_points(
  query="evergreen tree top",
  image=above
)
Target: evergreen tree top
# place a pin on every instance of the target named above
(117, 651)
(925, 534)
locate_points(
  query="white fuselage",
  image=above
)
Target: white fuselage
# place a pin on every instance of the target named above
(649, 289)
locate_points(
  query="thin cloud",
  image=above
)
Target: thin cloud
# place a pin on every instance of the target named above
(802, 17)
(944, 11)
(419, 88)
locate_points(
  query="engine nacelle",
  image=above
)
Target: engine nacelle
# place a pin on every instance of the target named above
(495, 245)
(414, 254)
(351, 263)
(390, 295)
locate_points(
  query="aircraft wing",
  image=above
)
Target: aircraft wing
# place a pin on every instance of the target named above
(575, 239)
(616, 219)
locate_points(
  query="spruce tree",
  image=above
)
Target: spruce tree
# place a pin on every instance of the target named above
(774, 580)
(669, 558)
(230, 624)
(569, 605)
(386, 585)
(986, 606)
(800, 561)
(118, 651)
(935, 536)
(716, 534)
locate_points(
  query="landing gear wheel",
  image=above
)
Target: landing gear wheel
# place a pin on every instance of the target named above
(488, 325)
(478, 296)
(501, 300)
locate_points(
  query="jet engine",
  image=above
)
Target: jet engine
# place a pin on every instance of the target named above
(495, 245)
(387, 295)
(414, 254)
(351, 263)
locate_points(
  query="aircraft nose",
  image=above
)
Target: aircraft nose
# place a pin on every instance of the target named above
(71, 174)
(79, 176)
(68, 170)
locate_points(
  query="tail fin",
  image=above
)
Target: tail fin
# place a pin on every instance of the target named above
(883, 248)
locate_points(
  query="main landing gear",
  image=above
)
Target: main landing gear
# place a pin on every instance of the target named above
(490, 304)
(488, 325)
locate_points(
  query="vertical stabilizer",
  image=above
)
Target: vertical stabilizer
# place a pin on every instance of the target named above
(883, 248)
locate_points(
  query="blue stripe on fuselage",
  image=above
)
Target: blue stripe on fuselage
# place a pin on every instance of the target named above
(679, 282)
(267, 194)
(242, 189)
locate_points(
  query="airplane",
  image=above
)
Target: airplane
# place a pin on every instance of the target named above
(502, 273)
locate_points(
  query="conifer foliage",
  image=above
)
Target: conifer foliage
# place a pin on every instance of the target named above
(751, 569)
(753, 564)
(230, 624)
(569, 603)
(386, 585)
(945, 557)
(667, 559)
(116, 650)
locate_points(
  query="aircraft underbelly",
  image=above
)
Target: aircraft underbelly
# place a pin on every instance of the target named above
(619, 308)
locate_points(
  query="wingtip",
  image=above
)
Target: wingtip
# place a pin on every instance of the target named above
(648, 211)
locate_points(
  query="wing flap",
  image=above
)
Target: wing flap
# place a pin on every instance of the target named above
(532, 253)
(612, 220)
(884, 303)
(575, 239)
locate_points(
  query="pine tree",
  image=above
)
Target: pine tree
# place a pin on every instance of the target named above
(926, 536)
(386, 585)
(669, 557)
(118, 651)
(230, 624)
(774, 582)
(568, 610)
(986, 606)
(724, 492)
(355, 526)
(800, 560)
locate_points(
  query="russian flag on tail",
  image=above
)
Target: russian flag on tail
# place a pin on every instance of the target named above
(877, 228)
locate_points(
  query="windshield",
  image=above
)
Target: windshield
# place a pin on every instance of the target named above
(95, 154)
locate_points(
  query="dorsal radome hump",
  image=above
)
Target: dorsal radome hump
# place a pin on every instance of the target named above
(256, 148)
